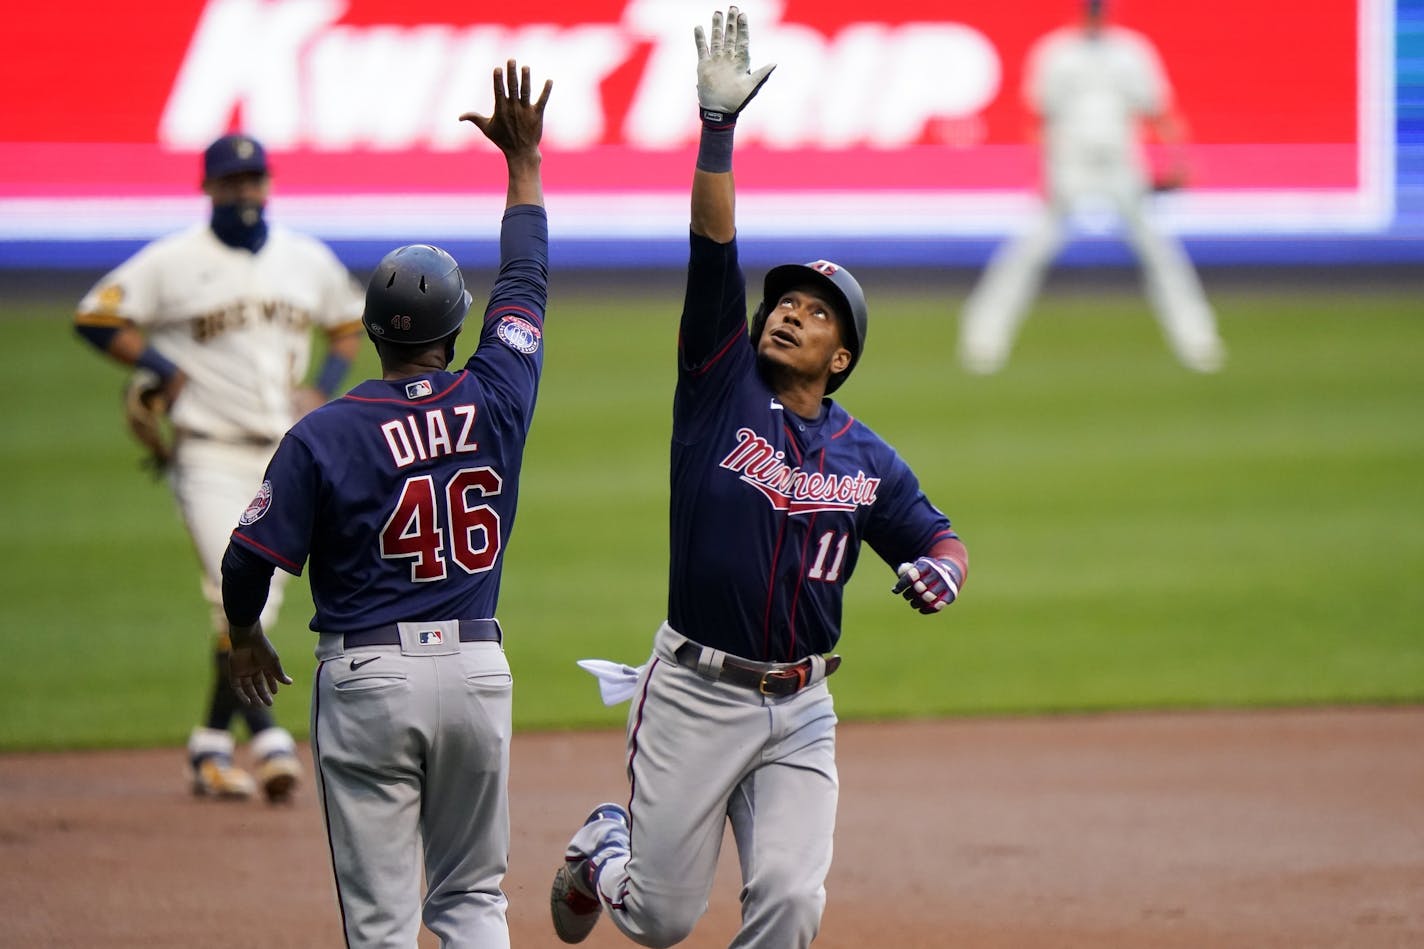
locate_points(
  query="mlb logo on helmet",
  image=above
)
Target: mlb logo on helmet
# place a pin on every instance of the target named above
(824, 267)
(431, 637)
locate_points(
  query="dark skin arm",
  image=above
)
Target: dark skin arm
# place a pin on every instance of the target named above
(515, 126)
(347, 346)
(128, 344)
(714, 204)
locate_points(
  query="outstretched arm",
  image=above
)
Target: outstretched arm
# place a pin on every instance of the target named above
(516, 126)
(343, 345)
(714, 205)
(126, 344)
(725, 85)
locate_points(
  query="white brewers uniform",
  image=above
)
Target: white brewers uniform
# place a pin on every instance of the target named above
(239, 326)
(1091, 91)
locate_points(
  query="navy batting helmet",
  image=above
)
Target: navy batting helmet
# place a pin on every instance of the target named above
(843, 293)
(416, 295)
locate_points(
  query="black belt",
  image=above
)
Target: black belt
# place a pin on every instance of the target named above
(766, 678)
(471, 631)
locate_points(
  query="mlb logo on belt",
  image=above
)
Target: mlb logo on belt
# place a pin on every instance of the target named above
(431, 637)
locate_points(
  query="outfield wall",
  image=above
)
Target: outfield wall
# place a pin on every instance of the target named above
(897, 140)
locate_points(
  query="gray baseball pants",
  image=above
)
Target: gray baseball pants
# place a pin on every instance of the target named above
(412, 764)
(702, 753)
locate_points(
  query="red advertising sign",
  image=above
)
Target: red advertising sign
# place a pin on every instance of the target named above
(905, 117)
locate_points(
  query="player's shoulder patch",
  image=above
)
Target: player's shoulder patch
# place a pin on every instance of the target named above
(110, 299)
(519, 334)
(258, 506)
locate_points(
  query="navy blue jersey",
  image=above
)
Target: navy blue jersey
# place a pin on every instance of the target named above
(769, 509)
(403, 493)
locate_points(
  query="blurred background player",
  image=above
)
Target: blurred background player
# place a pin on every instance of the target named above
(774, 488)
(1091, 87)
(218, 321)
(402, 496)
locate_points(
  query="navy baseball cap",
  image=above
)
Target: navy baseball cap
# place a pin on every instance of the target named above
(234, 155)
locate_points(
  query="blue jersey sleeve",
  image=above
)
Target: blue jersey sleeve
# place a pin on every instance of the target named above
(714, 309)
(903, 524)
(277, 525)
(510, 357)
(715, 356)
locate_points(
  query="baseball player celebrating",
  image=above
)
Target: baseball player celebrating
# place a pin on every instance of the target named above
(1090, 86)
(402, 496)
(774, 487)
(218, 321)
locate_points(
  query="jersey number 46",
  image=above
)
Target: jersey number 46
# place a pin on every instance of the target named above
(418, 527)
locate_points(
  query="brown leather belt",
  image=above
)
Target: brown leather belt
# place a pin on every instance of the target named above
(768, 678)
(471, 631)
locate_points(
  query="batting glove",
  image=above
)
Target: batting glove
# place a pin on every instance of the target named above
(929, 584)
(725, 83)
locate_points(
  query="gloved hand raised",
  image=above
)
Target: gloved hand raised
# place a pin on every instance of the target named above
(725, 83)
(929, 584)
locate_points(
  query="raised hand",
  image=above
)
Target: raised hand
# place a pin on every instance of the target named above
(725, 83)
(516, 125)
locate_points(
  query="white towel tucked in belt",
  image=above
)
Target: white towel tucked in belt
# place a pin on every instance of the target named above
(616, 682)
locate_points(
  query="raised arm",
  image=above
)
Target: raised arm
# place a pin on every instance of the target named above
(725, 85)
(516, 126)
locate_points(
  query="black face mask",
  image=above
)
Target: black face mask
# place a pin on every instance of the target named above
(240, 225)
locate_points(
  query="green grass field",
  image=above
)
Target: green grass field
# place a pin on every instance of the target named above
(1141, 537)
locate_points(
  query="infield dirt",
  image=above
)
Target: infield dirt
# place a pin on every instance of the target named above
(1211, 829)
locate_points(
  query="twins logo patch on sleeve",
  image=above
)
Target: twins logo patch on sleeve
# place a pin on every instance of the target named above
(258, 506)
(519, 334)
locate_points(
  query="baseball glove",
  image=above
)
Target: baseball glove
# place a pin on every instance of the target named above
(146, 411)
(1165, 182)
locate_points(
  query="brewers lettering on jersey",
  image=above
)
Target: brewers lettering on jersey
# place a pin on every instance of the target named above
(218, 319)
(774, 488)
(401, 497)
